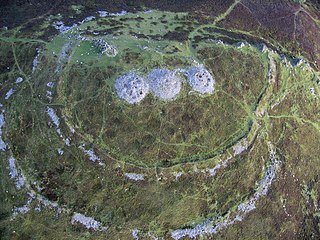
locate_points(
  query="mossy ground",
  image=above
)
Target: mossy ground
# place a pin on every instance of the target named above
(157, 133)
(156, 138)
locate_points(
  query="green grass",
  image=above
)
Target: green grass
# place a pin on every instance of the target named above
(155, 138)
(156, 133)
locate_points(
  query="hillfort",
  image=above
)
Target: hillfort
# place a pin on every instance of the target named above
(192, 121)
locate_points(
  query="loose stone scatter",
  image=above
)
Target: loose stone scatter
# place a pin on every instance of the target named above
(213, 171)
(15, 173)
(105, 48)
(88, 222)
(131, 88)
(49, 95)
(60, 151)
(3, 145)
(35, 61)
(135, 234)
(8, 94)
(134, 176)
(64, 56)
(200, 80)
(67, 142)
(103, 13)
(177, 174)
(122, 13)
(90, 153)
(19, 80)
(262, 47)
(53, 116)
(164, 83)
(59, 25)
(50, 84)
(241, 44)
(20, 210)
(41, 203)
(87, 19)
(55, 121)
(240, 148)
(212, 227)
(148, 153)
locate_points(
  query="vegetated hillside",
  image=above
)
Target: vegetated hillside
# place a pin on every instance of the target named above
(289, 25)
(78, 161)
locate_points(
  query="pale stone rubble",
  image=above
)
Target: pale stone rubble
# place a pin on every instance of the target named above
(212, 227)
(59, 25)
(36, 60)
(50, 84)
(41, 203)
(313, 91)
(104, 47)
(60, 151)
(49, 93)
(122, 13)
(19, 80)
(163, 83)
(62, 28)
(131, 87)
(55, 120)
(15, 174)
(134, 176)
(3, 145)
(241, 44)
(9, 94)
(135, 234)
(67, 142)
(88, 222)
(177, 175)
(166, 85)
(87, 19)
(53, 116)
(64, 56)
(213, 171)
(90, 153)
(240, 148)
(237, 149)
(262, 47)
(272, 73)
(200, 80)
(103, 13)
(22, 210)
(20, 182)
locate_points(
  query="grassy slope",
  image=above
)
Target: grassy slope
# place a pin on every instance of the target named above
(168, 204)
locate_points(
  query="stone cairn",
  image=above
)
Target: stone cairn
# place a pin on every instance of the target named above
(131, 87)
(163, 83)
(104, 47)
